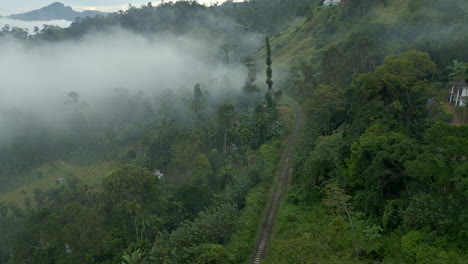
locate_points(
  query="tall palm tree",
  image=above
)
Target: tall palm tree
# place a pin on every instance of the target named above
(457, 70)
(134, 258)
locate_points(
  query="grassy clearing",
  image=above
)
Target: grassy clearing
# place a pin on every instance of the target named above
(45, 177)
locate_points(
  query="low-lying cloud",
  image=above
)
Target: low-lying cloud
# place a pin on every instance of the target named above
(37, 78)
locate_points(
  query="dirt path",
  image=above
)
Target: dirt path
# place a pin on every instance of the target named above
(279, 189)
(458, 117)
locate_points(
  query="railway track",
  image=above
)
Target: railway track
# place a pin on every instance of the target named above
(279, 189)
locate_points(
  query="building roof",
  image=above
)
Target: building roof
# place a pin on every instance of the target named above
(331, 2)
(459, 84)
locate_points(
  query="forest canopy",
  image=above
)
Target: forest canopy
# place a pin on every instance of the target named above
(155, 134)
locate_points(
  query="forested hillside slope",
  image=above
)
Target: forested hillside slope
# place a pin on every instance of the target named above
(380, 176)
(180, 171)
(144, 138)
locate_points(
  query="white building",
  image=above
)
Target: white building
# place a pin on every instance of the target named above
(331, 2)
(158, 174)
(458, 94)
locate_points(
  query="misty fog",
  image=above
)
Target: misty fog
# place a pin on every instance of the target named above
(37, 78)
(31, 24)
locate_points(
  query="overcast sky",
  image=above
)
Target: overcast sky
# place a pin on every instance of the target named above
(8, 7)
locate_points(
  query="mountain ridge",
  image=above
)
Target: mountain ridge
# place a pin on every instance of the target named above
(55, 11)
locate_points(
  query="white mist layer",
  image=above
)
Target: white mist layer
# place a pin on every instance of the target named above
(31, 24)
(37, 78)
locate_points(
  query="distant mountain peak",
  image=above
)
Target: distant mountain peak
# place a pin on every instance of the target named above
(55, 11)
(57, 4)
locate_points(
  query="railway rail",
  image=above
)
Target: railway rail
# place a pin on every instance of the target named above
(278, 190)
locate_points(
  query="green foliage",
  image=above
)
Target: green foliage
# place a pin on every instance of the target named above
(119, 222)
(265, 16)
(192, 185)
(201, 171)
(212, 226)
(415, 250)
(324, 108)
(373, 150)
(250, 85)
(131, 183)
(133, 258)
(331, 66)
(311, 234)
(457, 70)
(401, 85)
(226, 115)
(198, 102)
(392, 217)
(269, 71)
(323, 164)
(376, 165)
(210, 254)
(243, 240)
(194, 198)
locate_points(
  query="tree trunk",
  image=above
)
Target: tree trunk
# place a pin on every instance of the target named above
(225, 141)
(348, 213)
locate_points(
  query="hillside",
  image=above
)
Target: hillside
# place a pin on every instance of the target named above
(55, 11)
(383, 27)
(170, 152)
(367, 185)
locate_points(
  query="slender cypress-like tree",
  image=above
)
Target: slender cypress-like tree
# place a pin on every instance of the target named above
(269, 71)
